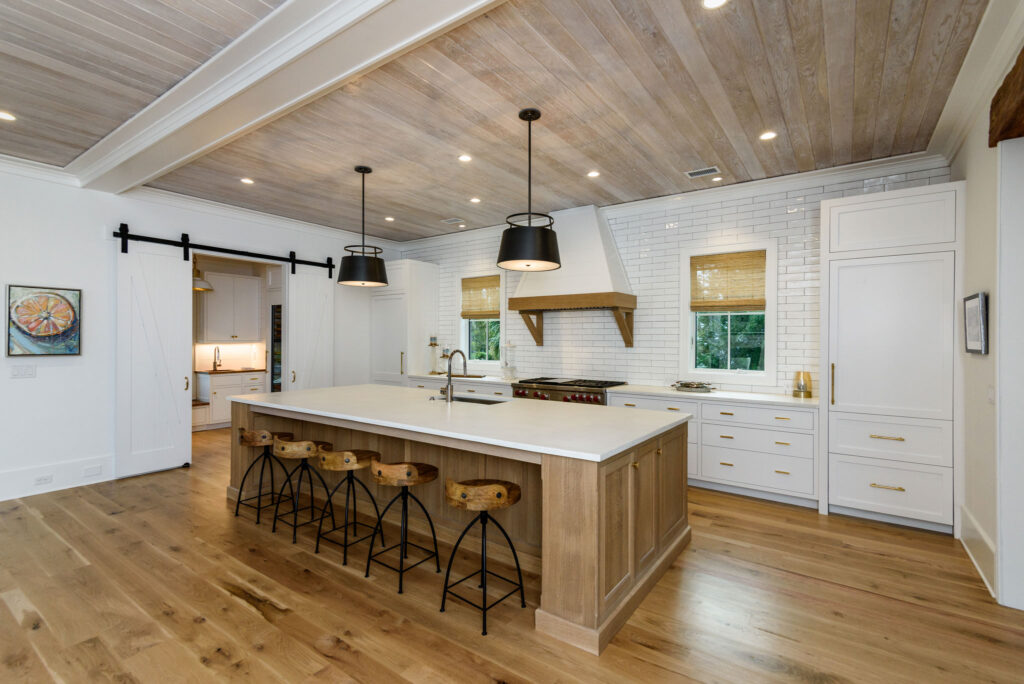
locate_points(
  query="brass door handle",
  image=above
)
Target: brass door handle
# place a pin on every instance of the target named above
(725, 464)
(186, 383)
(782, 472)
(629, 404)
(724, 413)
(882, 486)
(726, 436)
(293, 376)
(401, 363)
(783, 443)
(833, 383)
(893, 439)
(636, 465)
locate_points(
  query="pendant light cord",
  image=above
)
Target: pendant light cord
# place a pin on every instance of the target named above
(529, 170)
(364, 211)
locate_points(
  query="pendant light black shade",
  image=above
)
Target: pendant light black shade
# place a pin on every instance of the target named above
(529, 243)
(362, 266)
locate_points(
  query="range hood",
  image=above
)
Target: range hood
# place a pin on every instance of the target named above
(591, 276)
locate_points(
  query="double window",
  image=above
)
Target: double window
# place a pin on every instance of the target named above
(481, 314)
(729, 311)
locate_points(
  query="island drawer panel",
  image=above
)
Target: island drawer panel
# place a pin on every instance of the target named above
(758, 415)
(748, 468)
(758, 439)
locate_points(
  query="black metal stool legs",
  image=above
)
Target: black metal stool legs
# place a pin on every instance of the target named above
(403, 544)
(483, 518)
(350, 481)
(265, 460)
(303, 470)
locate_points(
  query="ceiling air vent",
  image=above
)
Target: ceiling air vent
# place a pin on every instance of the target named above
(453, 221)
(700, 173)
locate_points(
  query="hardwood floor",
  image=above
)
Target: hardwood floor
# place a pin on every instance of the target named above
(153, 579)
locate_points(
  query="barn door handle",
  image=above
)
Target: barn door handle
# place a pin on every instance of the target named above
(293, 376)
(186, 383)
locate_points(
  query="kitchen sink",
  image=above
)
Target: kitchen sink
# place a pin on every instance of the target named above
(469, 400)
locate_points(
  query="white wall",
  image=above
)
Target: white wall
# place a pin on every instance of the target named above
(649, 236)
(978, 164)
(58, 235)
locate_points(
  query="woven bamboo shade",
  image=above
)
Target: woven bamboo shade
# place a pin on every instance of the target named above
(481, 297)
(733, 281)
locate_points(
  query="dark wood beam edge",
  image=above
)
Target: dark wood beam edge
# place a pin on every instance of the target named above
(1006, 115)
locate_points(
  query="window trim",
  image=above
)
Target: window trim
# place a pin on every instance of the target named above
(480, 367)
(687, 360)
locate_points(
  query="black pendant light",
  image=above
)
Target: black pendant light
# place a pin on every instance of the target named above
(362, 266)
(529, 243)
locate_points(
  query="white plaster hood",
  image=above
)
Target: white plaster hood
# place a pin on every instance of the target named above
(591, 276)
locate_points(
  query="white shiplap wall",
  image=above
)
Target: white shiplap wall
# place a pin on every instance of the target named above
(649, 236)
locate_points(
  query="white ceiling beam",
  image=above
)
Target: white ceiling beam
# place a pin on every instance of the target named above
(299, 52)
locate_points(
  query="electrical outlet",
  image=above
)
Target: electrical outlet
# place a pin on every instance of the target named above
(43, 480)
(23, 371)
(92, 471)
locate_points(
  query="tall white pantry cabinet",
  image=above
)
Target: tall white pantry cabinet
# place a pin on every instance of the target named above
(892, 416)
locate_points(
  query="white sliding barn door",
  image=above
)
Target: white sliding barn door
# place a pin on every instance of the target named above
(153, 360)
(309, 329)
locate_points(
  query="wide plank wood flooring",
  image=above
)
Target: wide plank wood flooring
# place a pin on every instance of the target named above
(152, 579)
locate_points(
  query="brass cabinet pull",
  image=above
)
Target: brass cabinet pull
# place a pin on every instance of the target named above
(725, 413)
(783, 443)
(882, 486)
(420, 386)
(401, 363)
(672, 408)
(725, 464)
(628, 404)
(658, 451)
(499, 393)
(636, 465)
(781, 418)
(469, 390)
(253, 389)
(186, 383)
(833, 383)
(893, 439)
(234, 337)
(782, 472)
(726, 436)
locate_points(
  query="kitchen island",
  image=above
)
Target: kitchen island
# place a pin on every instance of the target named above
(603, 511)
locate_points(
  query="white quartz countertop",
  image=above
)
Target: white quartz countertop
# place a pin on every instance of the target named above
(587, 432)
(717, 395)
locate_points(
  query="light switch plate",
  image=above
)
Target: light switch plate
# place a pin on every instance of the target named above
(23, 371)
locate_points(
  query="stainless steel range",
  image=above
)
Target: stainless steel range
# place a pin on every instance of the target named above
(565, 389)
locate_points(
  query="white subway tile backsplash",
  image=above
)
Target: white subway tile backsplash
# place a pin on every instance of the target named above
(587, 343)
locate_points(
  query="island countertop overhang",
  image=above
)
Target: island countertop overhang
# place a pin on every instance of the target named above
(591, 433)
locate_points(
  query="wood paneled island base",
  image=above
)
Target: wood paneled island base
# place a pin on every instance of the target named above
(601, 533)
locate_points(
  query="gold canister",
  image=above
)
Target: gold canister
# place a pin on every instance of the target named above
(802, 384)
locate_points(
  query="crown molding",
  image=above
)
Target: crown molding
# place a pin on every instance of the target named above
(37, 170)
(297, 53)
(998, 41)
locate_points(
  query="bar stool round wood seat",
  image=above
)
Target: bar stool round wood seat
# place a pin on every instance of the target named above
(301, 451)
(348, 462)
(402, 475)
(266, 461)
(482, 496)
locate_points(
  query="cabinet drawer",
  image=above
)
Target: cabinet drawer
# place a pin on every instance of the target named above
(253, 389)
(757, 439)
(748, 468)
(914, 440)
(914, 217)
(250, 378)
(654, 404)
(909, 490)
(758, 415)
(485, 388)
(226, 381)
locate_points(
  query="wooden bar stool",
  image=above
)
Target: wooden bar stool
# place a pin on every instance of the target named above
(266, 460)
(347, 462)
(483, 496)
(300, 451)
(402, 475)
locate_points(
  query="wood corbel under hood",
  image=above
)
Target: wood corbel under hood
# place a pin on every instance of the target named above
(532, 310)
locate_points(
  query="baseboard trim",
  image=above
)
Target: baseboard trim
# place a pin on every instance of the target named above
(892, 519)
(15, 484)
(754, 493)
(594, 640)
(980, 549)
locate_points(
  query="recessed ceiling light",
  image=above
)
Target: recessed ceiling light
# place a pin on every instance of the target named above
(465, 158)
(713, 4)
(769, 135)
(593, 174)
(389, 218)
(7, 116)
(474, 200)
(717, 179)
(462, 225)
(247, 181)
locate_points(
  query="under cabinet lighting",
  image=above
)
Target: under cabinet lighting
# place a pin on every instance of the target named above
(593, 174)
(247, 181)
(389, 218)
(769, 135)
(7, 116)
(465, 158)
(474, 200)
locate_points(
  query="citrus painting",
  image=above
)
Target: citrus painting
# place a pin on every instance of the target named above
(43, 321)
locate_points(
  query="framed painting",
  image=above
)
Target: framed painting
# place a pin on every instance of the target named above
(43, 321)
(976, 323)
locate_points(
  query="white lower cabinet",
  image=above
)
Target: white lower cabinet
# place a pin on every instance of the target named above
(783, 474)
(217, 388)
(907, 490)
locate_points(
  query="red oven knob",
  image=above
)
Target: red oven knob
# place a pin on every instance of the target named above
(536, 394)
(591, 398)
(543, 396)
(575, 397)
(566, 398)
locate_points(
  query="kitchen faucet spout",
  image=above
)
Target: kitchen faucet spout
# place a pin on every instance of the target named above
(448, 392)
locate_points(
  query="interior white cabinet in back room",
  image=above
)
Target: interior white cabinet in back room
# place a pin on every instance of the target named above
(403, 317)
(231, 313)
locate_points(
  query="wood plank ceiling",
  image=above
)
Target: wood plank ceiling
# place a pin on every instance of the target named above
(74, 70)
(640, 90)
